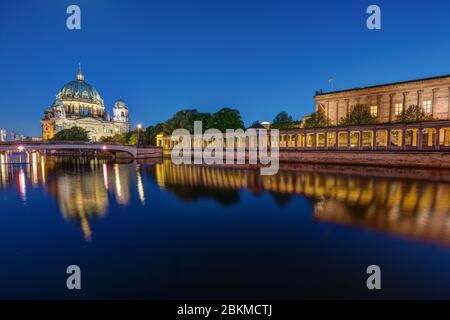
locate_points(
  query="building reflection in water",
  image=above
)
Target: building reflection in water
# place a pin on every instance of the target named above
(80, 186)
(404, 207)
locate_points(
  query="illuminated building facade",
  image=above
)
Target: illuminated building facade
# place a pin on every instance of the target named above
(79, 104)
(387, 101)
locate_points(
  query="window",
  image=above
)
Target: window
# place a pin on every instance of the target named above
(354, 139)
(374, 111)
(320, 139)
(342, 139)
(331, 139)
(398, 108)
(426, 106)
(310, 140)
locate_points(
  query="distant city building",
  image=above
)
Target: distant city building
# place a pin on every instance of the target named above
(2, 135)
(20, 137)
(79, 104)
(387, 101)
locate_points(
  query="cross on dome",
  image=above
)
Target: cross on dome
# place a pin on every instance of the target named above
(80, 76)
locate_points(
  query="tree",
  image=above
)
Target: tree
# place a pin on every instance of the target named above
(226, 118)
(413, 113)
(359, 115)
(126, 137)
(133, 139)
(183, 119)
(205, 118)
(152, 131)
(72, 134)
(117, 138)
(316, 120)
(282, 121)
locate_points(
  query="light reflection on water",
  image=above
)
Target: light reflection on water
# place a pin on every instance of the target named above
(404, 207)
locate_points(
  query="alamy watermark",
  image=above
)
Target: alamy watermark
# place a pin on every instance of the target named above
(73, 281)
(73, 21)
(234, 147)
(374, 280)
(374, 20)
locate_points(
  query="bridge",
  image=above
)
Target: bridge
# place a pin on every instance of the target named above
(126, 151)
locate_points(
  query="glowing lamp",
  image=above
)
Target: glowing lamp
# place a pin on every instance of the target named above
(105, 147)
(20, 148)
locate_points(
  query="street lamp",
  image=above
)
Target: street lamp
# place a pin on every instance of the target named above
(140, 144)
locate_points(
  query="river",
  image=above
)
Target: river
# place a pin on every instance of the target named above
(160, 231)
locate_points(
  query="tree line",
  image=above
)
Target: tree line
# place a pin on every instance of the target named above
(361, 115)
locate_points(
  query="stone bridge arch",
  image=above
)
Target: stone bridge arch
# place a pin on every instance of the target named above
(122, 150)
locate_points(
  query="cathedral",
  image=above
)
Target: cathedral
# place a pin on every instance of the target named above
(78, 104)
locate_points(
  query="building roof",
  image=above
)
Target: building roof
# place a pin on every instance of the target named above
(382, 85)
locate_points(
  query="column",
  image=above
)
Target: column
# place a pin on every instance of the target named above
(348, 139)
(419, 97)
(336, 137)
(433, 101)
(414, 137)
(437, 145)
(374, 138)
(391, 104)
(337, 111)
(379, 102)
(405, 100)
(419, 138)
(328, 110)
(360, 139)
(448, 116)
(403, 138)
(388, 142)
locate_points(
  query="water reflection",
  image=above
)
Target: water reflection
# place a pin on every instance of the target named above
(80, 197)
(81, 187)
(84, 190)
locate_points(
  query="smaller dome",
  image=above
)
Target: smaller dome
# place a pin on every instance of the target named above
(120, 104)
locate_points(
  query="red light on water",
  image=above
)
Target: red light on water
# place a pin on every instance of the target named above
(20, 148)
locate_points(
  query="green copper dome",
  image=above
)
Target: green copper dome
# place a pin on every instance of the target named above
(120, 103)
(79, 90)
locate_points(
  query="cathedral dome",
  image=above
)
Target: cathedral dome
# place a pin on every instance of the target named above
(79, 90)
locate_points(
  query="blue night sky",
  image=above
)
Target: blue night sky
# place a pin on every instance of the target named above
(260, 57)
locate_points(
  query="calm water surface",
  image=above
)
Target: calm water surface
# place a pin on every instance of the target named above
(163, 231)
